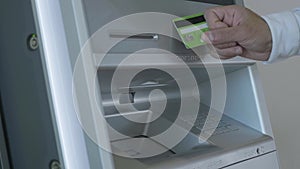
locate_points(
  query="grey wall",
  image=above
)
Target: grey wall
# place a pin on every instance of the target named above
(281, 82)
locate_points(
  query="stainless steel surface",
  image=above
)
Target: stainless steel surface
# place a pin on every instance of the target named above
(190, 152)
(61, 43)
(58, 72)
(266, 161)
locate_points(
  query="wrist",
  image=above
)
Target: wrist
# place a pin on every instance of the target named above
(268, 40)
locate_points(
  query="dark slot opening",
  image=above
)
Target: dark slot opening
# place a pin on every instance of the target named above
(143, 136)
(218, 2)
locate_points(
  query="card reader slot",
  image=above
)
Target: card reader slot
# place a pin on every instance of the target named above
(144, 36)
(217, 2)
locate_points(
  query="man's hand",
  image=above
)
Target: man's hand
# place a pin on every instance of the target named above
(237, 31)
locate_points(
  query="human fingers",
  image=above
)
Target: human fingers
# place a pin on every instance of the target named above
(214, 18)
(230, 52)
(226, 45)
(230, 15)
(220, 46)
(224, 35)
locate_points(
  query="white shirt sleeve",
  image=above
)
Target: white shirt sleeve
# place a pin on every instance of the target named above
(285, 29)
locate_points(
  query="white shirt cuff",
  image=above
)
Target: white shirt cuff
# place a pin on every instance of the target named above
(285, 35)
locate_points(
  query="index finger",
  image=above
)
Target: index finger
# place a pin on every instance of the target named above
(214, 19)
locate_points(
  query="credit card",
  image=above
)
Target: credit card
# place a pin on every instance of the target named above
(190, 29)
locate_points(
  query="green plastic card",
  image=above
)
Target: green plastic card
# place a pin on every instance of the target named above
(190, 29)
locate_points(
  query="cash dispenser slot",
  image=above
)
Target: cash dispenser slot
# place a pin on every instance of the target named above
(250, 132)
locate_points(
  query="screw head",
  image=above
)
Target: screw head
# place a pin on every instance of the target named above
(55, 165)
(33, 43)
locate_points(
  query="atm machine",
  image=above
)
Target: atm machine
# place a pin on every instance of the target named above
(119, 90)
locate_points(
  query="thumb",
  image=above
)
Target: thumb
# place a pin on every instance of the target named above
(223, 35)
